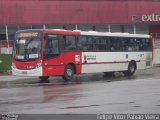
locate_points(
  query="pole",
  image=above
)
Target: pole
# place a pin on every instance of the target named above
(134, 29)
(7, 39)
(44, 26)
(109, 28)
(76, 27)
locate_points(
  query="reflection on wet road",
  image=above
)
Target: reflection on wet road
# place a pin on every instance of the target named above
(91, 93)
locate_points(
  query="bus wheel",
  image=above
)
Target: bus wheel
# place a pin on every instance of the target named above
(44, 78)
(131, 69)
(68, 73)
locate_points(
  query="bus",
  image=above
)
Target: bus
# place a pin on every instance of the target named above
(57, 52)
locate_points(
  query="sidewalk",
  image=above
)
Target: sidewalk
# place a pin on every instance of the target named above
(13, 78)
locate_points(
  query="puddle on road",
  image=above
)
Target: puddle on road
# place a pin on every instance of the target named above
(74, 107)
(41, 94)
(137, 106)
(131, 102)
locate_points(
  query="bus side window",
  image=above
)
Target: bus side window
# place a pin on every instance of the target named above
(81, 44)
(70, 43)
(141, 44)
(128, 44)
(148, 44)
(114, 44)
(100, 43)
(48, 47)
(89, 43)
(123, 45)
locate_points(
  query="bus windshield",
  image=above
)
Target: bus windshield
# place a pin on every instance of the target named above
(27, 46)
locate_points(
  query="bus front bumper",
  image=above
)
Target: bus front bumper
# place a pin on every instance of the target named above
(33, 72)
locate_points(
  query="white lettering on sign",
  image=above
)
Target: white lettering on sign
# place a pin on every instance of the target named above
(151, 18)
(146, 18)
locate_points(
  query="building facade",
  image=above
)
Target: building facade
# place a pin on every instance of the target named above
(131, 16)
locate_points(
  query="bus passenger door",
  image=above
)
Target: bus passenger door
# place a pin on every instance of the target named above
(51, 48)
(51, 56)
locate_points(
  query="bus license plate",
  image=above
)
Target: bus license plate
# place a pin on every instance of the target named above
(24, 72)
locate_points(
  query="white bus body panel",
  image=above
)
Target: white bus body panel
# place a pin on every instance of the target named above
(113, 61)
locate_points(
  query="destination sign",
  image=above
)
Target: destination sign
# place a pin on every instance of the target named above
(28, 34)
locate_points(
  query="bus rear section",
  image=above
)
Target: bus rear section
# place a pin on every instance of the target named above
(112, 52)
(117, 61)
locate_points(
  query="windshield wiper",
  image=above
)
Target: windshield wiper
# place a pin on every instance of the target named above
(28, 41)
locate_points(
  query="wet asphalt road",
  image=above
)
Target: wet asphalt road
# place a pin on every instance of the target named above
(91, 93)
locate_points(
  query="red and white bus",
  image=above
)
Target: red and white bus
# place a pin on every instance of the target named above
(57, 52)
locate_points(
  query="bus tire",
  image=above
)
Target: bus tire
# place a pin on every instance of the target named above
(131, 69)
(44, 78)
(68, 73)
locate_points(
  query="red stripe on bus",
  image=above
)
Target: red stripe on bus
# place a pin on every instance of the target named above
(112, 62)
(62, 32)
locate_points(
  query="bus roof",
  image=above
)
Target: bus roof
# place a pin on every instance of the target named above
(114, 34)
(95, 33)
(88, 33)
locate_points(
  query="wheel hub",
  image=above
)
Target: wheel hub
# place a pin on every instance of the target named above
(69, 72)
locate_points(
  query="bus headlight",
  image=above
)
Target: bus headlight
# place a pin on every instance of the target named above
(13, 65)
(39, 64)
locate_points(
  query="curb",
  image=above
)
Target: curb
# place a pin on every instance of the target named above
(6, 78)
